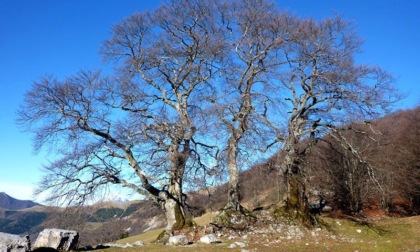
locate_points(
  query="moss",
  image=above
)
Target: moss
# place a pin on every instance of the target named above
(292, 215)
(181, 222)
(293, 192)
(179, 217)
(189, 223)
(233, 219)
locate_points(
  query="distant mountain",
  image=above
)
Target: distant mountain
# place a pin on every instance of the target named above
(8, 202)
(116, 198)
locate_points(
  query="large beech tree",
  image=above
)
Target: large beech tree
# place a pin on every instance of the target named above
(323, 89)
(142, 121)
(253, 41)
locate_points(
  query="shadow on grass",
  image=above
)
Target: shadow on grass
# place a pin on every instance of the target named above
(381, 231)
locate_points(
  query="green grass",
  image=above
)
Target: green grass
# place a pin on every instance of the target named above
(386, 235)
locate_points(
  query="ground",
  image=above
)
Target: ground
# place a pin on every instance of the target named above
(334, 234)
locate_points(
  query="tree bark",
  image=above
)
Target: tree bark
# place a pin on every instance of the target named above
(175, 218)
(233, 187)
(296, 201)
(172, 198)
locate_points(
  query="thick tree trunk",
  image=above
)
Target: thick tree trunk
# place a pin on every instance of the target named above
(172, 198)
(174, 213)
(233, 215)
(295, 201)
(233, 187)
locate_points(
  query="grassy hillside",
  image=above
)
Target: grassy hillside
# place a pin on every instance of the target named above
(388, 234)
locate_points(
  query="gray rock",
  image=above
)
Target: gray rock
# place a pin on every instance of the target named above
(327, 209)
(233, 245)
(210, 238)
(178, 240)
(138, 243)
(60, 239)
(237, 244)
(240, 244)
(116, 245)
(14, 243)
(316, 203)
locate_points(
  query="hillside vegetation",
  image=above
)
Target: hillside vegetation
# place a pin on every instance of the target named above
(391, 147)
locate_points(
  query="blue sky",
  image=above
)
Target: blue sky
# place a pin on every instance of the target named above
(60, 37)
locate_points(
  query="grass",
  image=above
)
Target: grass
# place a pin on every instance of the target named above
(147, 237)
(388, 235)
(151, 235)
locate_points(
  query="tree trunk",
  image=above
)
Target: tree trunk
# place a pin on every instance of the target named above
(296, 201)
(174, 213)
(233, 187)
(172, 198)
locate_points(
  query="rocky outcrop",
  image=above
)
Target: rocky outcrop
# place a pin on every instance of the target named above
(14, 243)
(64, 240)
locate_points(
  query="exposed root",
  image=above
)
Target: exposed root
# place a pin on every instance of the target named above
(231, 218)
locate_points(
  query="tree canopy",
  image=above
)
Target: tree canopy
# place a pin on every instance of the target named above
(197, 84)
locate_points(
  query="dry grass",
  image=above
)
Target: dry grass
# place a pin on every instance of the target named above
(151, 235)
(391, 234)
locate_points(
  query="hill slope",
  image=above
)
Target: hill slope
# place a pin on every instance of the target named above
(8, 202)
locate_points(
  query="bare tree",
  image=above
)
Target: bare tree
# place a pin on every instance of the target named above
(347, 162)
(135, 129)
(369, 164)
(324, 88)
(253, 39)
(145, 128)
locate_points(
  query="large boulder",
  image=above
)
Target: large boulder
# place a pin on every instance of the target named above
(14, 243)
(60, 239)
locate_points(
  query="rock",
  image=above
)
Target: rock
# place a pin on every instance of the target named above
(127, 245)
(14, 243)
(60, 239)
(210, 238)
(316, 203)
(178, 240)
(138, 243)
(240, 244)
(327, 209)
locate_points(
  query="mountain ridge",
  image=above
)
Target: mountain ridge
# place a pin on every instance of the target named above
(10, 203)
